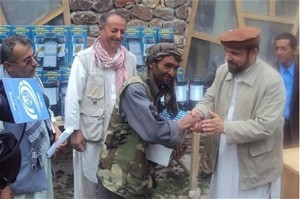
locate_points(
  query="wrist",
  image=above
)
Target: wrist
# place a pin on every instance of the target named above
(55, 127)
(202, 115)
(183, 124)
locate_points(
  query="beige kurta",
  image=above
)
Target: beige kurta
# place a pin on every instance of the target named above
(256, 128)
(225, 179)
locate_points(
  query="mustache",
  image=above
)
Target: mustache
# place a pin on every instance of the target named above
(116, 39)
(230, 62)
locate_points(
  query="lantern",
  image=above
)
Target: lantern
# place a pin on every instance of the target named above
(196, 91)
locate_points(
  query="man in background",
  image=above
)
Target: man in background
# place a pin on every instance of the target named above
(286, 49)
(214, 63)
(96, 75)
(206, 166)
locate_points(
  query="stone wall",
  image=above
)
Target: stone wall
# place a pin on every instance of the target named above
(147, 13)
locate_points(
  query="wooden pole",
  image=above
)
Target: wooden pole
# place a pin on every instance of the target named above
(195, 191)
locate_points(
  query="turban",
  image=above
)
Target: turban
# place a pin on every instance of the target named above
(157, 51)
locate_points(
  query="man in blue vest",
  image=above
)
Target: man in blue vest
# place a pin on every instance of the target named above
(35, 176)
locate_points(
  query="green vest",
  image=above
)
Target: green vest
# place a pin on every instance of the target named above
(123, 167)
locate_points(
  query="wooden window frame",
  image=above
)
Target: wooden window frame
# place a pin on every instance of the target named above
(63, 9)
(241, 17)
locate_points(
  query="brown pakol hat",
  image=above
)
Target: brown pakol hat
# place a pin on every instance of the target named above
(240, 37)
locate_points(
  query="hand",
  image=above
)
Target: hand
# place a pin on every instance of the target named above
(198, 125)
(178, 152)
(190, 120)
(78, 141)
(213, 126)
(6, 193)
(58, 132)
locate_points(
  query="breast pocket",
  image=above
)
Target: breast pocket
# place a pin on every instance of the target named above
(93, 108)
(95, 88)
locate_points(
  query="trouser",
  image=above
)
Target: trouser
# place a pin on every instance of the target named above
(287, 138)
(105, 193)
(206, 162)
(83, 187)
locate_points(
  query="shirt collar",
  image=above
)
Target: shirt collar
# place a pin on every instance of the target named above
(249, 75)
(3, 72)
(290, 69)
(153, 87)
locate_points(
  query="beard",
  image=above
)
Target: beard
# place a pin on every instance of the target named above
(235, 68)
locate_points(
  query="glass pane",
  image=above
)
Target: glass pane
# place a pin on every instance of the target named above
(256, 6)
(202, 54)
(59, 20)
(269, 32)
(25, 12)
(214, 17)
(287, 8)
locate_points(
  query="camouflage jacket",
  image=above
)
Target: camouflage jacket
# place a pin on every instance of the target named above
(123, 167)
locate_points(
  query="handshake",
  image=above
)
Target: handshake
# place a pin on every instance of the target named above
(196, 121)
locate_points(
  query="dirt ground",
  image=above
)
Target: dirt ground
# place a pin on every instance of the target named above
(172, 181)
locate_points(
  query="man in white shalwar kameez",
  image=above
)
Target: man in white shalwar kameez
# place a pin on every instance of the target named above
(96, 75)
(244, 109)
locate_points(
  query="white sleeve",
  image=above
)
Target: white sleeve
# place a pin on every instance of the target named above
(131, 63)
(76, 85)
